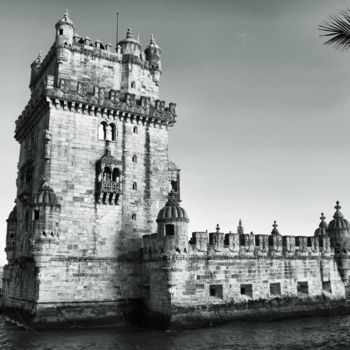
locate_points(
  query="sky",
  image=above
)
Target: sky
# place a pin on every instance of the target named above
(263, 105)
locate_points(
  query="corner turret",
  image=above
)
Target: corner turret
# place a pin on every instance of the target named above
(153, 53)
(64, 30)
(173, 225)
(130, 46)
(339, 233)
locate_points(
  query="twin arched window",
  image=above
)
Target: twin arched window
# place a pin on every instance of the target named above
(107, 131)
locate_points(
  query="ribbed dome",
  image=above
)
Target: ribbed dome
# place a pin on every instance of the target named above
(45, 196)
(13, 215)
(152, 44)
(172, 211)
(339, 223)
(321, 231)
(129, 39)
(65, 20)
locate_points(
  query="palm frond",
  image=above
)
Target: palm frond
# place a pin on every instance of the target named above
(337, 29)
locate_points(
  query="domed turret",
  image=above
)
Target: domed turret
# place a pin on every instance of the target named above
(64, 30)
(339, 233)
(153, 53)
(11, 235)
(130, 46)
(45, 197)
(46, 210)
(173, 225)
(321, 231)
(172, 210)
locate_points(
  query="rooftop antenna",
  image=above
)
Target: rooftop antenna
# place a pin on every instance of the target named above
(116, 39)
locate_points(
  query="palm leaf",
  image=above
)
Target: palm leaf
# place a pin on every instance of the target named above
(337, 30)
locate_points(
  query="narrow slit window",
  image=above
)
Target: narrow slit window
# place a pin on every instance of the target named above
(36, 214)
(134, 186)
(113, 132)
(135, 130)
(134, 158)
(133, 217)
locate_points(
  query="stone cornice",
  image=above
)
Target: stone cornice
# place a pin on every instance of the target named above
(109, 107)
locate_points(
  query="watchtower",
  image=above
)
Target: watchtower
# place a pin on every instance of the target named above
(93, 173)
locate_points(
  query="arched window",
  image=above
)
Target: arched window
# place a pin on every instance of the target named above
(134, 186)
(116, 175)
(133, 216)
(102, 131)
(135, 130)
(106, 173)
(113, 132)
(134, 158)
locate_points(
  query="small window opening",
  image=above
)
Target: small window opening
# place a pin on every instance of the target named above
(135, 131)
(36, 214)
(134, 158)
(116, 175)
(275, 289)
(60, 32)
(169, 230)
(215, 290)
(302, 289)
(309, 241)
(133, 84)
(102, 131)
(106, 174)
(174, 186)
(241, 240)
(326, 285)
(257, 240)
(133, 217)
(134, 186)
(247, 289)
(297, 241)
(113, 132)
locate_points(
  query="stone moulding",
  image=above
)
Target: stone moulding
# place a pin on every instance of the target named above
(33, 112)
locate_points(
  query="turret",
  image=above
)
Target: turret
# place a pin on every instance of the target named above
(130, 46)
(45, 236)
(35, 68)
(321, 231)
(173, 225)
(153, 53)
(339, 233)
(11, 235)
(64, 30)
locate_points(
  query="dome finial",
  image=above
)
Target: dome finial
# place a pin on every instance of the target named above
(129, 34)
(66, 13)
(338, 214)
(240, 228)
(275, 229)
(217, 228)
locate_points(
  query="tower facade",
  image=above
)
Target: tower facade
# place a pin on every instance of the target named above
(93, 173)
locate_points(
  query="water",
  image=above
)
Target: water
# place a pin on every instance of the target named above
(304, 333)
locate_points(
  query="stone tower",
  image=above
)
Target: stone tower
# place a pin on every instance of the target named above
(93, 173)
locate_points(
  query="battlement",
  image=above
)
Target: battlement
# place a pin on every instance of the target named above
(238, 245)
